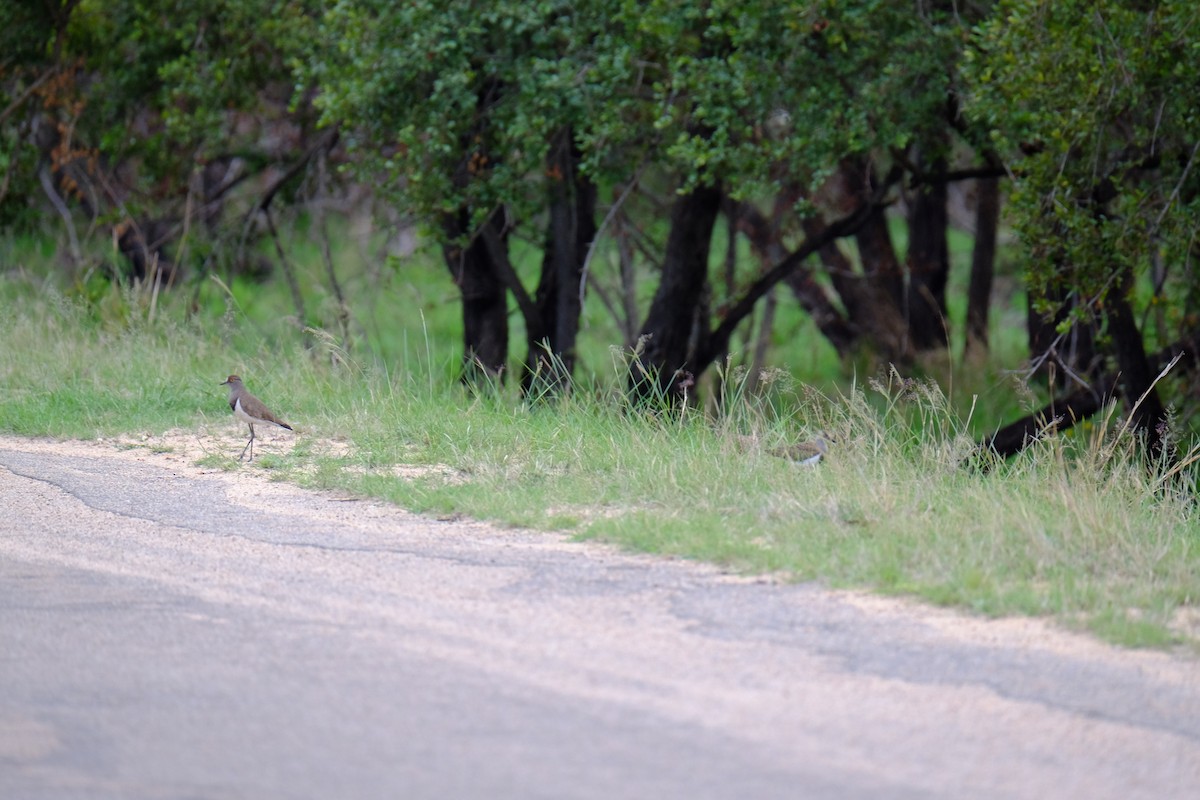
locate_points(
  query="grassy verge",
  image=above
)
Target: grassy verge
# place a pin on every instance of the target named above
(1075, 529)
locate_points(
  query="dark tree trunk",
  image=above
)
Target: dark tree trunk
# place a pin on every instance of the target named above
(983, 264)
(660, 367)
(1060, 415)
(569, 234)
(145, 246)
(844, 332)
(1134, 378)
(478, 259)
(876, 301)
(874, 239)
(717, 340)
(1068, 411)
(878, 256)
(484, 300)
(813, 298)
(1072, 354)
(928, 265)
(1147, 414)
(869, 305)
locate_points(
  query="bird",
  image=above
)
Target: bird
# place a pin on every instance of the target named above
(801, 454)
(804, 454)
(249, 409)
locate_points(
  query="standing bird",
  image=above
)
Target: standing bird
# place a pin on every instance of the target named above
(249, 409)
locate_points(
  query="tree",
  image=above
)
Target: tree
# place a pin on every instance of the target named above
(151, 112)
(37, 96)
(762, 98)
(1087, 105)
(471, 115)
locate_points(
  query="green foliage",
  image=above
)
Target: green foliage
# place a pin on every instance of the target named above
(1093, 105)
(747, 93)
(455, 103)
(150, 89)
(197, 64)
(27, 31)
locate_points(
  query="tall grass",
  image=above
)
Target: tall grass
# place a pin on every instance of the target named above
(1076, 529)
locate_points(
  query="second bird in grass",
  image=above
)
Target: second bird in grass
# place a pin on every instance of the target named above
(802, 454)
(249, 409)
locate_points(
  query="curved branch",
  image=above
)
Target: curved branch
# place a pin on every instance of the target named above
(718, 341)
(1079, 405)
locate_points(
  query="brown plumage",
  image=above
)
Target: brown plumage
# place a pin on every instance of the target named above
(249, 409)
(804, 454)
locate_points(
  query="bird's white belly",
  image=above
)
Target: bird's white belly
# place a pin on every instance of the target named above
(242, 415)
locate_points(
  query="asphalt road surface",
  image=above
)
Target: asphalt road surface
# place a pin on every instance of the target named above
(167, 632)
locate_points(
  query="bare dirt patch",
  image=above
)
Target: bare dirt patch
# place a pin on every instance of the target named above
(190, 447)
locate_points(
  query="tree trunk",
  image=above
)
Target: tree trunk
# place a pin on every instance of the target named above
(878, 256)
(1134, 377)
(659, 368)
(876, 301)
(484, 300)
(874, 239)
(569, 234)
(928, 264)
(1147, 414)
(869, 306)
(717, 339)
(1083, 403)
(983, 264)
(1059, 415)
(1072, 353)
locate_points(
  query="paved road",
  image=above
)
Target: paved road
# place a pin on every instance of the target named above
(167, 633)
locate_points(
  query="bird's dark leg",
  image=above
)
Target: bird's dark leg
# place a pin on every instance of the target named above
(249, 444)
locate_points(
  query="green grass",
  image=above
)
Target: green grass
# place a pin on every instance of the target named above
(1074, 529)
